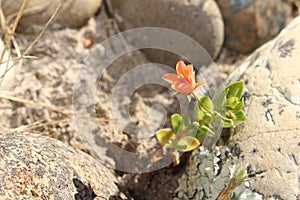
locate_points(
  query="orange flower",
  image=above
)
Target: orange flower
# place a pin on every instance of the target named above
(184, 81)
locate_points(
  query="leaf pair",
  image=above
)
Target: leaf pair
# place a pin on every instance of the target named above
(203, 113)
(228, 106)
(183, 137)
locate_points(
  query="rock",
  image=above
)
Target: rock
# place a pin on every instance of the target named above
(269, 139)
(248, 24)
(199, 19)
(207, 174)
(35, 166)
(72, 14)
(205, 184)
(295, 3)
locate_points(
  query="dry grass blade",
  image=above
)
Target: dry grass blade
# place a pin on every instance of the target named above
(38, 124)
(12, 32)
(43, 30)
(36, 105)
(16, 59)
(2, 18)
(33, 104)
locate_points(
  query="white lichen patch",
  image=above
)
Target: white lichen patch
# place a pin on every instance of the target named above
(207, 176)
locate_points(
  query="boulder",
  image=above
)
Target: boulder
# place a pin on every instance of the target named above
(38, 167)
(199, 19)
(248, 24)
(72, 14)
(268, 142)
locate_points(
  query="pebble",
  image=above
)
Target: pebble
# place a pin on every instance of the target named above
(199, 19)
(72, 14)
(250, 23)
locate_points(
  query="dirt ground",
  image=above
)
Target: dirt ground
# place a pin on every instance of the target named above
(41, 101)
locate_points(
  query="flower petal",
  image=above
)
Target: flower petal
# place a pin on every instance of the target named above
(189, 74)
(186, 71)
(180, 67)
(184, 80)
(171, 78)
(183, 88)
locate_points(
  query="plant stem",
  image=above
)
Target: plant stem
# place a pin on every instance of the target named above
(202, 105)
(222, 117)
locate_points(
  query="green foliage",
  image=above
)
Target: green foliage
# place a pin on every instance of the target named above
(203, 110)
(235, 90)
(176, 120)
(226, 112)
(164, 136)
(239, 176)
(186, 143)
(229, 106)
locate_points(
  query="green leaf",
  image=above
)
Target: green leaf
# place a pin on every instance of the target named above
(239, 176)
(227, 124)
(192, 129)
(240, 117)
(235, 90)
(164, 136)
(206, 101)
(196, 124)
(204, 130)
(220, 121)
(186, 120)
(232, 102)
(239, 106)
(201, 116)
(220, 104)
(231, 115)
(200, 113)
(185, 144)
(176, 121)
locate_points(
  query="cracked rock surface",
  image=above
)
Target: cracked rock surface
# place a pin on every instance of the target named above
(269, 139)
(38, 167)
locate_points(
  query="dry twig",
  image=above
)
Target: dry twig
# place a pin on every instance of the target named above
(11, 37)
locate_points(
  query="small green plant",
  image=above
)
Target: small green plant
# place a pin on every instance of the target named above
(239, 176)
(186, 134)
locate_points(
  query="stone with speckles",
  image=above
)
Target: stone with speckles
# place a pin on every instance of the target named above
(38, 167)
